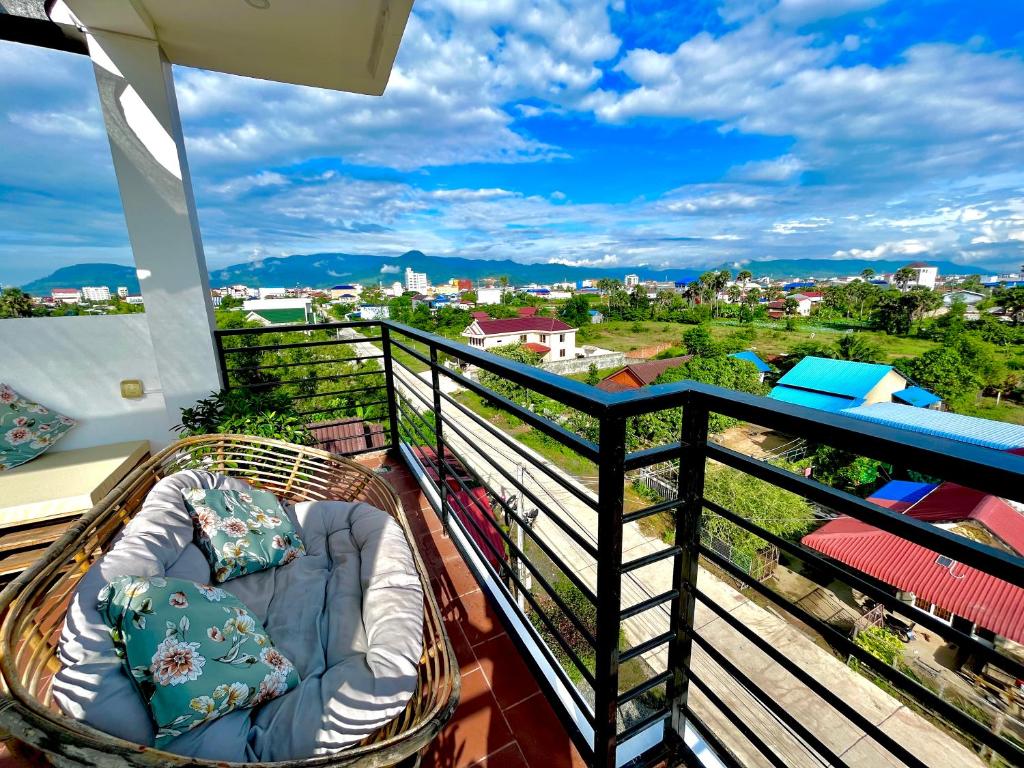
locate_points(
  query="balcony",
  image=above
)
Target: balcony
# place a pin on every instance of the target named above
(565, 589)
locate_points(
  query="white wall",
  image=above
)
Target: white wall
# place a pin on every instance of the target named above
(75, 365)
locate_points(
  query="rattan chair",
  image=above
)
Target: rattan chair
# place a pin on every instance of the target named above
(32, 609)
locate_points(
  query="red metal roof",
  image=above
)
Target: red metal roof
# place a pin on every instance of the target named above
(951, 502)
(643, 373)
(480, 315)
(533, 346)
(520, 324)
(987, 601)
(527, 311)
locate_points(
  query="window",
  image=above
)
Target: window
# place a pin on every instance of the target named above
(522, 337)
(561, 353)
(561, 337)
(942, 613)
(543, 338)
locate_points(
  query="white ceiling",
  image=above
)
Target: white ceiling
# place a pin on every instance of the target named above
(345, 45)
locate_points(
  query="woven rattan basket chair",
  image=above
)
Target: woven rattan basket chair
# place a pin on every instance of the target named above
(32, 609)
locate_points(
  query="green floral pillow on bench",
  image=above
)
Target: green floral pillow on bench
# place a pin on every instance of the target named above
(195, 652)
(26, 428)
(241, 532)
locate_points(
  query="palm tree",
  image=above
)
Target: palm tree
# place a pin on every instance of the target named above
(14, 302)
(904, 276)
(734, 293)
(867, 273)
(744, 275)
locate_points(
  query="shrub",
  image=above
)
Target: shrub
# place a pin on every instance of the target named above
(246, 412)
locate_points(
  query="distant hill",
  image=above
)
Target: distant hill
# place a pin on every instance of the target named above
(322, 270)
(77, 275)
(325, 269)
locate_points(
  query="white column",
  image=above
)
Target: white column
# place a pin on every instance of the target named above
(141, 114)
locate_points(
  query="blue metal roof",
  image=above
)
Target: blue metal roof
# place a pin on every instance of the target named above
(966, 429)
(797, 284)
(819, 400)
(751, 357)
(835, 377)
(904, 491)
(916, 396)
(593, 312)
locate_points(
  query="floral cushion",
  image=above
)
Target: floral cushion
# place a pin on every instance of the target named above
(241, 532)
(194, 651)
(26, 428)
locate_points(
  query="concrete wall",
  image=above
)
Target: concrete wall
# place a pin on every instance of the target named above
(891, 383)
(75, 365)
(582, 364)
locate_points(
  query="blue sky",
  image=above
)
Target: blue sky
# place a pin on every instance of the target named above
(604, 133)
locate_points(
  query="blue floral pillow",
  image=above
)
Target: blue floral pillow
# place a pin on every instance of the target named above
(194, 651)
(241, 532)
(26, 428)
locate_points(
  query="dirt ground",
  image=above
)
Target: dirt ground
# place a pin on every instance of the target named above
(752, 440)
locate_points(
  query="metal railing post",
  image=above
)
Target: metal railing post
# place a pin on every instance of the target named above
(442, 485)
(222, 362)
(611, 470)
(684, 580)
(389, 382)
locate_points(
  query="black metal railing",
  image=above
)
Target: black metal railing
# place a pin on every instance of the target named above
(530, 473)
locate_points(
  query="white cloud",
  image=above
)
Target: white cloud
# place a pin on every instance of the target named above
(792, 227)
(885, 250)
(608, 260)
(390, 269)
(778, 169)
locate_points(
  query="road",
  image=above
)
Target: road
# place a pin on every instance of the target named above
(485, 453)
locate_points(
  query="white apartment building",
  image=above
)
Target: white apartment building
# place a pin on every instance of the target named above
(926, 274)
(95, 293)
(122, 292)
(632, 280)
(66, 295)
(415, 281)
(269, 293)
(488, 295)
(547, 336)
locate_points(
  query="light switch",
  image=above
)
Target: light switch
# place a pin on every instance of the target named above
(131, 389)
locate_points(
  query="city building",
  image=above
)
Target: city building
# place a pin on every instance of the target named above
(547, 336)
(637, 375)
(66, 295)
(271, 293)
(489, 295)
(95, 293)
(416, 281)
(752, 357)
(122, 292)
(971, 601)
(835, 385)
(632, 280)
(346, 292)
(926, 274)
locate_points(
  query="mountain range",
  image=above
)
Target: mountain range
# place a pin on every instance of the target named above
(322, 270)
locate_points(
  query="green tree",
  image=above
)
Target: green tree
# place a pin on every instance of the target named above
(469, 297)
(593, 377)
(845, 471)
(858, 347)
(904, 276)
(1012, 300)
(719, 371)
(14, 302)
(230, 302)
(698, 341)
(372, 296)
(500, 384)
(867, 273)
(957, 369)
(775, 510)
(575, 311)
(743, 275)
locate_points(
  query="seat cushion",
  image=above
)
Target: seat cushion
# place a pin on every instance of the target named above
(241, 532)
(27, 429)
(194, 651)
(349, 615)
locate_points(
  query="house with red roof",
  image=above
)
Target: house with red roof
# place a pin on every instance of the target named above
(637, 375)
(970, 600)
(547, 336)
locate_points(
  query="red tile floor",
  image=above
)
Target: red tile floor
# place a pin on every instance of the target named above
(503, 720)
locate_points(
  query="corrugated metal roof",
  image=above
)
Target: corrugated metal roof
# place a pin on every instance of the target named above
(917, 397)
(950, 503)
(348, 435)
(836, 377)
(966, 429)
(809, 399)
(900, 495)
(986, 600)
(751, 357)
